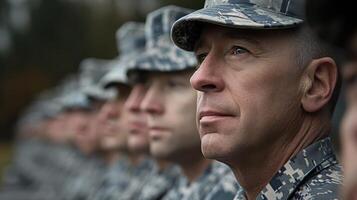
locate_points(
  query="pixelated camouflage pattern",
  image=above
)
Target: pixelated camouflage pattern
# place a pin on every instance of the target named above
(217, 182)
(42, 170)
(161, 54)
(131, 43)
(86, 181)
(160, 183)
(314, 173)
(117, 75)
(91, 72)
(115, 180)
(130, 36)
(139, 175)
(246, 14)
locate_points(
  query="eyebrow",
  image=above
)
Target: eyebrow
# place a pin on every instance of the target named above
(234, 34)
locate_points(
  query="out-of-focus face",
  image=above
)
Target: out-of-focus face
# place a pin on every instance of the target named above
(55, 129)
(60, 129)
(80, 123)
(249, 91)
(138, 139)
(112, 127)
(349, 123)
(170, 104)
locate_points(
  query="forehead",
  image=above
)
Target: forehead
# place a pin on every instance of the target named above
(212, 32)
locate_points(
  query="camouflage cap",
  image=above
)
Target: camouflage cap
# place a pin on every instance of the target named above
(130, 37)
(117, 74)
(161, 54)
(71, 95)
(75, 100)
(131, 43)
(92, 71)
(246, 14)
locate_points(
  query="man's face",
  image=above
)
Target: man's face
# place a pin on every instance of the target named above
(249, 91)
(111, 126)
(82, 126)
(170, 104)
(138, 139)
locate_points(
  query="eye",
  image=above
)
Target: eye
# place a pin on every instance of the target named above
(237, 50)
(200, 58)
(175, 84)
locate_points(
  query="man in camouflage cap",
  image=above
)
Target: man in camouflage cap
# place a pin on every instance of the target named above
(267, 90)
(336, 24)
(112, 116)
(170, 107)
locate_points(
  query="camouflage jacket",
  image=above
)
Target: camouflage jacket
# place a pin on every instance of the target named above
(314, 173)
(217, 182)
(115, 179)
(138, 177)
(159, 183)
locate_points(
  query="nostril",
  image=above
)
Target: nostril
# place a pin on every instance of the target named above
(208, 87)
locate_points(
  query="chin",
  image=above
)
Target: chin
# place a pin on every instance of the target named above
(213, 147)
(138, 146)
(160, 153)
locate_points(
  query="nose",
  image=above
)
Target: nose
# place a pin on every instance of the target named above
(153, 102)
(208, 77)
(135, 98)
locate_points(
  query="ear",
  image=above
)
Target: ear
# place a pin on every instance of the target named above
(318, 83)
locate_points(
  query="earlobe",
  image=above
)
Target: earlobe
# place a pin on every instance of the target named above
(318, 84)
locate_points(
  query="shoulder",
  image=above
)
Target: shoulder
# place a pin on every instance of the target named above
(324, 185)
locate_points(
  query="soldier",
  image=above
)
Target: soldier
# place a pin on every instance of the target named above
(83, 124)
(267, 90)
(112, 116)
(143, 168)
(335, 23)
(170, 105)
(44, 158)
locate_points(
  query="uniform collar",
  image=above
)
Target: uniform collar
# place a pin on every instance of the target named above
(300, 168)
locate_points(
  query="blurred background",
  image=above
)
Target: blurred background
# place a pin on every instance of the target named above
(43, 41)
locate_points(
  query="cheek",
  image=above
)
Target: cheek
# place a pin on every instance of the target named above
(183, 114)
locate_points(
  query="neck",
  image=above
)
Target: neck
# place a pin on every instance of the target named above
(256, 170)
(194, 167)
(110, 157)
(162, 164)
(135, 159)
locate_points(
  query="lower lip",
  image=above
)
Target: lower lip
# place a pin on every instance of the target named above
(157, 133)
(213, 118)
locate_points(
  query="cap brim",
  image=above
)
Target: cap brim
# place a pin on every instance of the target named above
(186, 30)
(164, 59)
(117, 75)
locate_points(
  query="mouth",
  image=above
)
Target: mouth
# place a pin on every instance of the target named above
(137, 127)
(209, 116)
(156, 132)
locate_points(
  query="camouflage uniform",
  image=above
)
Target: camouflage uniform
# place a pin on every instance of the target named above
(159, 183)
(139, 175)
(115, 180)
(119, 177)
(86, 182)
(314, 173)
(217, 182)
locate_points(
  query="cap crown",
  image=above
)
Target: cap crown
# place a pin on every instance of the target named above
(294, 8)
(130, 38)
(159, 23)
